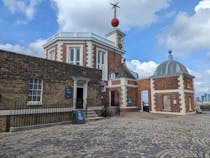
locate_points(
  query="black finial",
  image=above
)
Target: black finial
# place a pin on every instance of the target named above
(115, 6)
(170, 57)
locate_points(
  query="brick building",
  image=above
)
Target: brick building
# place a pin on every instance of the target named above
(119, 86)
(30, 85)
(170, 89)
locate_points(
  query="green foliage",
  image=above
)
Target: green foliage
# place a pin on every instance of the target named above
(205, 107)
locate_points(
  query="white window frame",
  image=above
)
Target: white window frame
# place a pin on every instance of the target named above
(35, 102)
(104, 65)
(52, 52)
(112, 76)
(75, 62)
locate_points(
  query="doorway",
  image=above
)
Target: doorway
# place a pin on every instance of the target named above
(79, 103)
(145, 100)
(166, 103)
(112, 98)
(190, 104)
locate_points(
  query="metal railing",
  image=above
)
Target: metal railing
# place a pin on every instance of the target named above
(24, 115)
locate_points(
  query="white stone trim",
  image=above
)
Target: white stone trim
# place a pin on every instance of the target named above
(109, 98)
(90, 58)
(114, 86)
(133, 86)
(152, 95)
(59, 52)
(74, 94)
(171, 113)
(124, 92)
(85, 87)
(48, 51)
(33, 111)
(173, 91)
(181, 92)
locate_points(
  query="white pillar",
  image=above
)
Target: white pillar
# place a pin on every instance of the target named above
(59, 51)
(75, 94)
(124, 92)
(85, 95)
(181, 93)
(152, 95)
(89, 59)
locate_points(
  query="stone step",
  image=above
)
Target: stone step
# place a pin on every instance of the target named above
(92, 115)
(94, 118)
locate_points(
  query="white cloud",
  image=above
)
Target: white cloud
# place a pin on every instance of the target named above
(28, 9)
(37, 47)
(34, 48)
(189, 32)
(208, 71)
(95, 15)
(15, 48)
(203, 4)
(201, 82)
(144, 69)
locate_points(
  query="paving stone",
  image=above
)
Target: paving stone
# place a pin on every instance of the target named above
(139, 135)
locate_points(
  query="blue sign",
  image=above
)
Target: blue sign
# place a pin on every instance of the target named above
(78, 117)
(68, 92)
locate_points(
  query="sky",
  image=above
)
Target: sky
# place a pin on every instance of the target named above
(152, 27)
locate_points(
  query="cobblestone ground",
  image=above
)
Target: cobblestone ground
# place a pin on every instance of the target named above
(130, 135)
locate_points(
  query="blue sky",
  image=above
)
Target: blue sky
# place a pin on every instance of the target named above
(152, 27)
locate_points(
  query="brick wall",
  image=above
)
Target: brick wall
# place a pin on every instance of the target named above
(159, 101)
(113, 60)
(132, 93)
(166, 83)
(118, 95)
(189, 97)
(188, 83)
(16, 70)
(116, 82)
(132, 82)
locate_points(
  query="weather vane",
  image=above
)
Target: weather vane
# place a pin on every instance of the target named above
(115, 6)
(115, 21)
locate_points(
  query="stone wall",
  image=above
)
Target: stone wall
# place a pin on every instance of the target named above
(16, 70)
(2, 123)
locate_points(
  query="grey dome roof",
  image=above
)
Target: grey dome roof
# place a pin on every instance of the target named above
(170, 67)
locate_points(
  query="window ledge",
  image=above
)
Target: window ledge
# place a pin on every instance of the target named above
(31, 103)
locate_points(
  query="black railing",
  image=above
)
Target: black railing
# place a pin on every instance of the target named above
(24, 115)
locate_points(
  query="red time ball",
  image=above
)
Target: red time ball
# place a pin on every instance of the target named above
(115, 22)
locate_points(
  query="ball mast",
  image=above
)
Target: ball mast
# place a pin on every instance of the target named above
(115, 6)
(115, 21)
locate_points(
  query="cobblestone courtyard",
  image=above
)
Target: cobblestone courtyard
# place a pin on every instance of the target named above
(130, 135)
